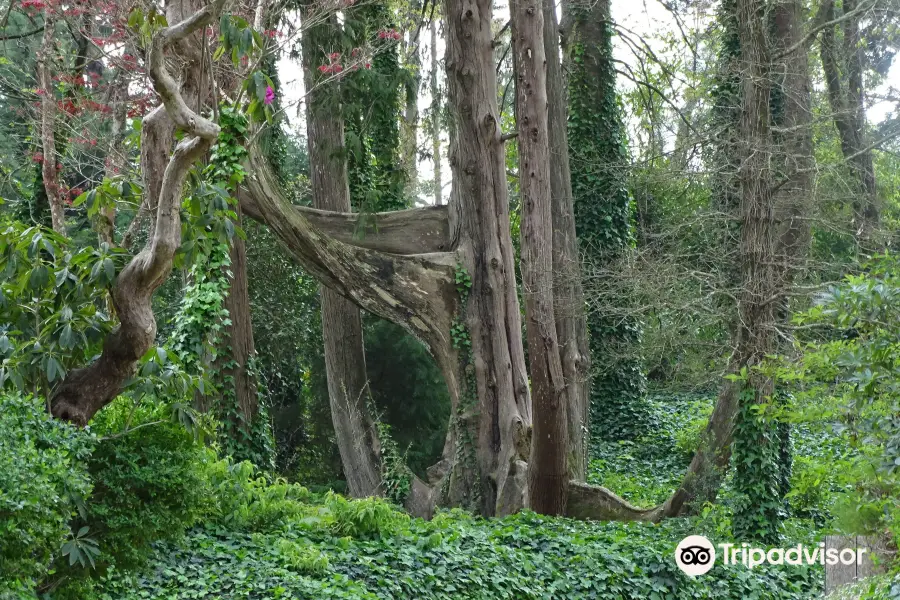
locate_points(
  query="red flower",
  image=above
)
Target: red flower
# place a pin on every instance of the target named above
(38, 157)
(324, 69)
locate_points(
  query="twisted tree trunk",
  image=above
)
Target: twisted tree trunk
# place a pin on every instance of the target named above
(88, 389)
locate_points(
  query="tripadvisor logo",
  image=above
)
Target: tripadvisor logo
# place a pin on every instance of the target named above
(696, 555)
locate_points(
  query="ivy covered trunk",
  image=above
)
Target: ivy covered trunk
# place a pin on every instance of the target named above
(603, 216)
(569, 307)
(345, 361)
(756, 449)
(493, 418)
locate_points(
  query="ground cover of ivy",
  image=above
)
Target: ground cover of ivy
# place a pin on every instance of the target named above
(276, 540)
(453, 556)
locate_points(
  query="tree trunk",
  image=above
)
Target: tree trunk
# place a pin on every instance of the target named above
(117, 160)
(411, 110)
(548, 475)
(604, 214)
(88, 389)
(49, 170)
(240, 335)
(755, 448)
(435, 118)
(495, 408)
(345, 361)
(846, 98)
(569, 307)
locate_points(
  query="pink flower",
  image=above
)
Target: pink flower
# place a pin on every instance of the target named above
(270, 95)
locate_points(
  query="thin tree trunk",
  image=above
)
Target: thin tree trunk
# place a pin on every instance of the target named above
(117, 160)
(548, 475)
(793, 134)
(435, 118)
(846, 98)
(569, 306)
(49, 171)
(345, 361)
(411, 111)
(240, 334)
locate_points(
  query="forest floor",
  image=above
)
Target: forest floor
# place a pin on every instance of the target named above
(323, 546)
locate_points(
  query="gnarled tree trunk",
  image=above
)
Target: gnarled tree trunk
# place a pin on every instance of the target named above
(88, 389)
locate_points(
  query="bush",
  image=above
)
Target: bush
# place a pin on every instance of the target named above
(243, 500)
(149, 477)
(43, 481)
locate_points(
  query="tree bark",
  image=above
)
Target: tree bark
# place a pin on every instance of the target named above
(345, 361)
(117, 159)
(49, 170)
(412, 231)
(548, 475)
(569, 306)
(846, 97)
(435, 118)
(496, 414)
(240, 334)
(410, 130)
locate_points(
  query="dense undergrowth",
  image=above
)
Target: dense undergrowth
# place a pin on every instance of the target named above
(138, 506)
(188, 525)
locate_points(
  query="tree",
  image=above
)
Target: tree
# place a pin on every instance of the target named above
(88, 389)
(569, 305)
(345, 359)
(603, 214)
(846, 95)
(548, 473)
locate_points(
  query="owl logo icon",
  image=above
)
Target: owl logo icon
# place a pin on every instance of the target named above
(695, 555)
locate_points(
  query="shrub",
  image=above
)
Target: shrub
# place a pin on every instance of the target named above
(370, 517)
(43, 481)
(243, 500)
(149, 480)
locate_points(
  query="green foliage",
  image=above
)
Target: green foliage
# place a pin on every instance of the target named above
(149, 480)
(525, 556)
(367, 518)
(847, 381)
(409, 394)
(755, 458)
(43, 481)
(50, 299)
(370, 101)
(245, 500)
(646, 470)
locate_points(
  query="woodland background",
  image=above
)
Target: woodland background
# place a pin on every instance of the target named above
(389, 299)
